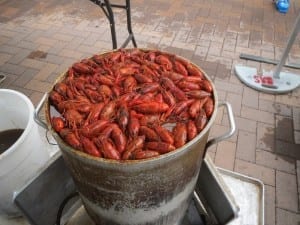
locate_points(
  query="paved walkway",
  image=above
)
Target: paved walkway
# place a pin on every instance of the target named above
(40, 39)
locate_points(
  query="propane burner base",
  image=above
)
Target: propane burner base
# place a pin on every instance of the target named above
(225, 198)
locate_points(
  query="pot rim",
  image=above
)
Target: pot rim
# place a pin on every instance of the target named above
(166, 156)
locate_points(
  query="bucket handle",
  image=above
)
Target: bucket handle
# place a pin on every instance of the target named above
(39, 120)
(37, 111)
(229, 133)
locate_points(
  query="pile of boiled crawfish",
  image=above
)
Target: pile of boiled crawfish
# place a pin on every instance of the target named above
(131, 104)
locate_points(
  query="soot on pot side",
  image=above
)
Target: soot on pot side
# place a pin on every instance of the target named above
(118, 105)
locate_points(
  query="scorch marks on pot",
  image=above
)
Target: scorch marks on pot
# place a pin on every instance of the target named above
(145, 214)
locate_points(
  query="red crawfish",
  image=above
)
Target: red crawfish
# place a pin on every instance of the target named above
(149, 133)
(119, 138)
(129, 84)
(82, 68)
(104, 79)
(55, 98)
(107, 148)
(201, 120)
(164, 61)
(114, 56)
(137, 99)
(89, 147)
(158, 98)
(76, 86)
(137, 59)
(195, 108)
(173, 75)
(206, 85)
(191, 130)
(71, 138)
(180, 135)
(181, 106)
(116, 90)
(141, 78)
(183, 116)
(61, 88)
(209, 107)
(132, 145)
(187, 86)
(57, 123)
(94, 129)
(194, 79)
(180, 68)
(133, 124)
(99, 59)
(198, 94)
(123, 116)
(71, 73)
(128, 70)
(164, 134)
(108, 111)
(80, 106)
(169, 84)
(150, 71)
(145, 154)
(168, 97)
(151, 107)
(106, 132)
(150, 119)
(151, 55)
(94, 96)
(194, 71)
(161, 147)
(73, 118)
(94, 114)
(147, 88)
(105, 91)
(90, 63)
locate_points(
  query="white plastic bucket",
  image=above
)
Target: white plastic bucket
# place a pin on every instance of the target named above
(26, 156)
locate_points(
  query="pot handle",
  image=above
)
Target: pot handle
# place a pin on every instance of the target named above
(37, 110)
(231, 123)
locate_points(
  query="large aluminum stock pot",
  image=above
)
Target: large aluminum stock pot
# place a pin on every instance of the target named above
(138, 192)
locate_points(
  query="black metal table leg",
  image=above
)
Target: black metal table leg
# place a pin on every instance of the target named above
(112, 24)
(131, 36)
(106, 6)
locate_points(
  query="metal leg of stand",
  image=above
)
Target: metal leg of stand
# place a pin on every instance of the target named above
(128, 10)
(112, 24)
(129, 28)
(282, 60)
(288, 47)
(276, 82)
(106, 7)
(110, 15)
(267, 60)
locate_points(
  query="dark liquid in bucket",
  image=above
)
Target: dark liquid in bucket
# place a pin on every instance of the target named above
(8, 138)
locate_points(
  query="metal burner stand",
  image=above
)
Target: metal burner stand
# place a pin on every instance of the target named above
(106, 6)
(223, 196)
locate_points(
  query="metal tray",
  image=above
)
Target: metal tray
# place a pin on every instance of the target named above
(248, 193)
(229, 197)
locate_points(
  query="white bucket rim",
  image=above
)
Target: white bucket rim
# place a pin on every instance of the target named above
(27, 128)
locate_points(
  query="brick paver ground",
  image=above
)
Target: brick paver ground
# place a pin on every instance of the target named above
(40, 39)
